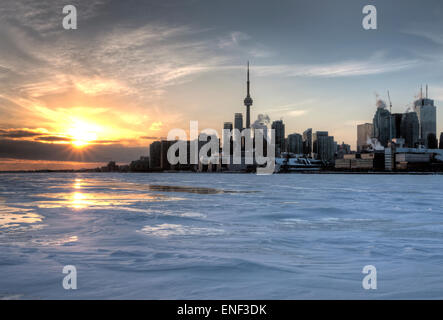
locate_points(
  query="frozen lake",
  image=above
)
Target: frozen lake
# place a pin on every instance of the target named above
(217, 236)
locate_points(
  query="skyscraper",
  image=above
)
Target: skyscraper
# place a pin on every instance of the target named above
(279, 128)
(396, 119)
(295, 143)
(383, 126)
(427, 118)
(440, 146)
(323, 146)
(248, 103)
(307, 142)
(409, 129)
(227, 125)
(164, 146)
(238, 121)
(155, 154)
(364, 133)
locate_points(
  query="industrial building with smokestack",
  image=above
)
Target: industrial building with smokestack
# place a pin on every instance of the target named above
(398, 141)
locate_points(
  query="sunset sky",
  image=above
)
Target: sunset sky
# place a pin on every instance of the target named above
(135, 69)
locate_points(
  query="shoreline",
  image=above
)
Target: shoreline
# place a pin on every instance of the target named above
(234, 172)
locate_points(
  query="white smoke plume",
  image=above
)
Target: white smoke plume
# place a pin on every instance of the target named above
(374, 144)
(380, 103)
(262, 122)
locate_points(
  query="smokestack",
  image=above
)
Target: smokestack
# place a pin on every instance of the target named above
(426, 91)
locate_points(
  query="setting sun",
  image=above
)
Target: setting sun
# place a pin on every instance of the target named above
(82, 133)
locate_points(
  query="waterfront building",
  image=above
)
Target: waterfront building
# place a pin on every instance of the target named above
(364, 134)
(295, 143)
(323, 146)
(427, 118)
(227, 126)
(343, 149)
(396, 119)
(383, 126)
(164, 146)
(279, 128)
(409, 129)
(154, 154)
(307, 142)
(238, 121)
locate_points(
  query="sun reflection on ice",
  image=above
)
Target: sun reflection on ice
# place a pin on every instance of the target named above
(79, 200)
(77, 184)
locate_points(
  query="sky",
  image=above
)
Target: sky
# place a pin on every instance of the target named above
(133, 70)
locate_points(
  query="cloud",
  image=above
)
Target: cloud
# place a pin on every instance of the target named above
(19, 133)
(45, 16)
(436, 38)
(33, 150)
(233, 39)
(241, 43)
(53, 139)
(156, 126)
(336, 69)
(97, 86)
(297, 109)
(297, 113)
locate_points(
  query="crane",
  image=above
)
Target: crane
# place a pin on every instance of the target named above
(390, 117)
(390, 103)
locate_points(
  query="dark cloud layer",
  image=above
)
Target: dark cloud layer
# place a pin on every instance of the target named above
(53, 139)
(18, 133)
(32, 150)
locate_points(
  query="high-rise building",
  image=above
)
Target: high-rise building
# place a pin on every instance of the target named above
(295, 143)
(154, 154)
(164, 146)
(432, 142)
(343, 149)
(441, 141)
(383, 126)
(238, 121)
(279, 128)
(307, 142)
(227, 125)
(346, 148)
(248, 103)
(427, 118)
(409, 129)
(396, 119)
(323, 146)
(364, 133)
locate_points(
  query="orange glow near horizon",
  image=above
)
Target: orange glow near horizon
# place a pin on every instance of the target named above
(82, 133)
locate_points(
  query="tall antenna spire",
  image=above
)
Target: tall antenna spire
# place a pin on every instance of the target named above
(390, 117)
(248, 102)
(248, 77)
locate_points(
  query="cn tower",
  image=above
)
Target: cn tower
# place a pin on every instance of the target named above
(248, 104)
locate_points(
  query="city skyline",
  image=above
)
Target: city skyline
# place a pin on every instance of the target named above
(119, 82)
